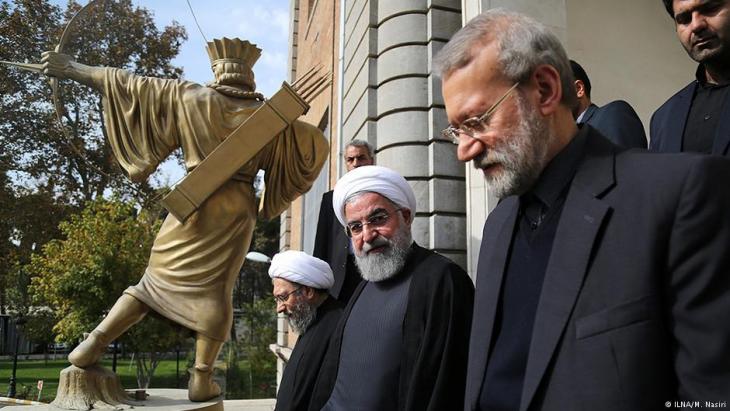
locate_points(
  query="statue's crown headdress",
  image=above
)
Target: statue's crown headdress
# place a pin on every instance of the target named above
(233, 51)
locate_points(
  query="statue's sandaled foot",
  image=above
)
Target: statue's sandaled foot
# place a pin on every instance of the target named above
(90, 351)
(201, 386)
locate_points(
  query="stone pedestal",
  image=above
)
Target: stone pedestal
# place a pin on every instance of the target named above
(161, 399)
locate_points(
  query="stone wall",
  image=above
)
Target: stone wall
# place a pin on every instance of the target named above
(391, 99)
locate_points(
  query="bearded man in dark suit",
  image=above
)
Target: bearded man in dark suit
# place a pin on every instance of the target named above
(603, 280)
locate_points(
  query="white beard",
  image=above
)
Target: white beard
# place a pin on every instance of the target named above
(301, 317)
(381, 266)
(522, 155)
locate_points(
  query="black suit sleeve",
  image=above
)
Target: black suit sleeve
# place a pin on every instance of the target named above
(699, 282)
(654, 134)
(619, 122)
(322, 238)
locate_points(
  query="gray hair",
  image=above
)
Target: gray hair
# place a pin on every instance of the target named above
(524, 44)
(362, 143)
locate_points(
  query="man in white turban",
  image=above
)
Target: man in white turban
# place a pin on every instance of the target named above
(300, 290)
(405, 330)
(331, 244)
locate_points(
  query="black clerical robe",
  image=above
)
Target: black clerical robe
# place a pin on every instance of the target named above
(435, 336)
(301, 371)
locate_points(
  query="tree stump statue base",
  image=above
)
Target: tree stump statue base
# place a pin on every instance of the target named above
(89, 388)
(159, 399)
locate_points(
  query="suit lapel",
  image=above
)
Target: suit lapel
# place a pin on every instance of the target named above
(590, 111)
(490, 271)
(678, 119)
(581, 218)
(722, 135)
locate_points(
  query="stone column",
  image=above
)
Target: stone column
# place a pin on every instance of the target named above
(393, 101)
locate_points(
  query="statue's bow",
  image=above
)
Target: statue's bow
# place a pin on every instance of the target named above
(55, 89)
(61, 48)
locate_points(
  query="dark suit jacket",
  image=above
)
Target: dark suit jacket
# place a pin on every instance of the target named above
(635, 303)
(617, 121)
(668, 122)
(331, 244)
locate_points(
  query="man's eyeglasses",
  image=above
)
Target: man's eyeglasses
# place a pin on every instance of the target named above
(285, 297)
(377, 220)
(475, 125)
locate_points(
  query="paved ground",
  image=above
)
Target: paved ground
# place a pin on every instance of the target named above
(250, 405)
(169, 400)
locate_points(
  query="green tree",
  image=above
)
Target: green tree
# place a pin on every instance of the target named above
(45, 173)
(104, 249)
(7, 248)
(77, 165)
(251, 367)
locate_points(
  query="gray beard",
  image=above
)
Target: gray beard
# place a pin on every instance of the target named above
(381, 266)
(301, 317)
(522, 155)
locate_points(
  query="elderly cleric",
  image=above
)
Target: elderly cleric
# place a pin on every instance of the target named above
(402, 342)
(300, 284)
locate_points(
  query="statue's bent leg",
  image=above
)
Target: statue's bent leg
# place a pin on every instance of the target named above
(126, 312)
(202, 387)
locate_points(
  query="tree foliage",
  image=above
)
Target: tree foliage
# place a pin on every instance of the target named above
(104, 250)
(27, 220)
(77, 165)
(252, 298)
(47, 174)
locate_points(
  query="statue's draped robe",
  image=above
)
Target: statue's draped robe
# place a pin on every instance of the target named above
(193, 266)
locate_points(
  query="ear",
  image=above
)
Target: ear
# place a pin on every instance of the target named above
(580, 88)
(407, 216)
(308, 292)
(549, 88)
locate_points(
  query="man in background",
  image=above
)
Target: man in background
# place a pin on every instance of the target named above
(697, 118)
(300, 289)
(616, 120)
(331, 244)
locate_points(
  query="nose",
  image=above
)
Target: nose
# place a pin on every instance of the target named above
(369, 233)
(469, 148)
(698, 23)
(279, 307)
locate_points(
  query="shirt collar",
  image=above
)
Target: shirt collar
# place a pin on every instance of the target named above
(560, 170)
(701, 77)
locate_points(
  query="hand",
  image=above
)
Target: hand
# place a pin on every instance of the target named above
(56, 64)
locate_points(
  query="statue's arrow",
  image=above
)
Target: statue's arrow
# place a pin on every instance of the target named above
(34, 67)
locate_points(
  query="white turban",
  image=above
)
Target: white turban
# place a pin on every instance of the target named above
(375, 179)
(301, 268)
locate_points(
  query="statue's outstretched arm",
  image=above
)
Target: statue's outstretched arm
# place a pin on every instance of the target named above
(62, 66)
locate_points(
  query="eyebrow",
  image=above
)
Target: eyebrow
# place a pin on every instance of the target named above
(374, 212)
(708, 5)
